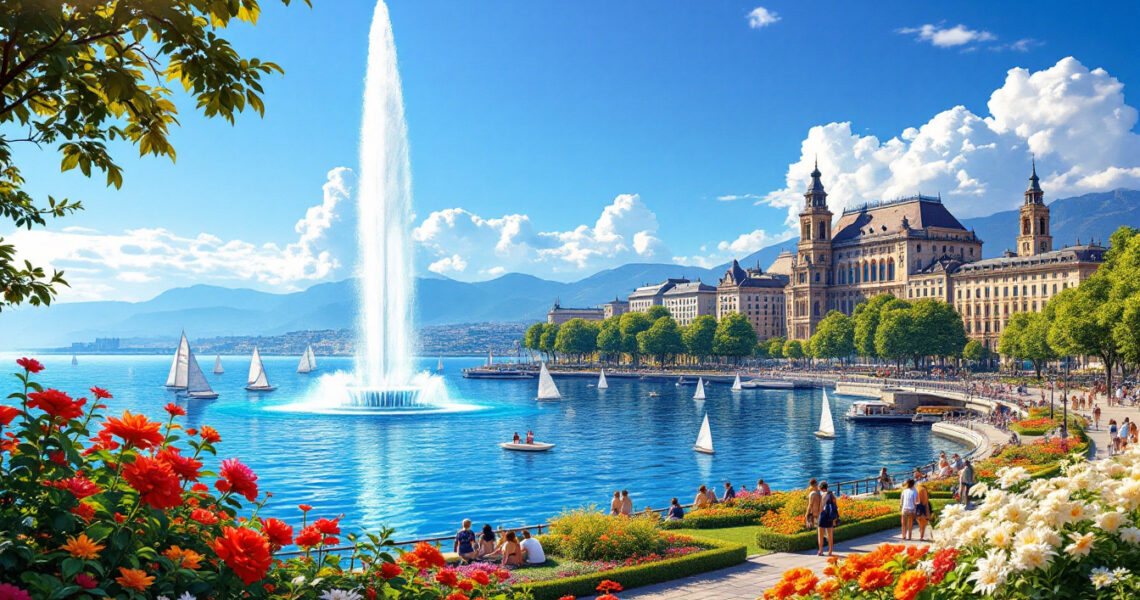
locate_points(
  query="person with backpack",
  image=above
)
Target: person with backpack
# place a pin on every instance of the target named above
(828, 519)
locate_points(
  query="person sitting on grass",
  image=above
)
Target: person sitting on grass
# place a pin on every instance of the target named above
(465, 543)
(711, 493)
(729, 493)
(676, 513)
(511, 551)
(486, 540)
(532, 549)
(762, 488)
(702, 499)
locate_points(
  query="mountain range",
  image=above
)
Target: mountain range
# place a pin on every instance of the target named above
(204, 310)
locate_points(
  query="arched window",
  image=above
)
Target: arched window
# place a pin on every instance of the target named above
(822, 228)
(1041, 226)
(874, 268)
(1025, 227)
(891, 270)
(864, 271)
(806, 233)
(882, 271)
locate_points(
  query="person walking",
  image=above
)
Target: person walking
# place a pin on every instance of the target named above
(828, 519)
(907, 501)
(922, 509)
(1096, 418)
(965, 482)
(811, 514)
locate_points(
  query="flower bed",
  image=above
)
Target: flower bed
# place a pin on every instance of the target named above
(586, 534)
(1037, 426)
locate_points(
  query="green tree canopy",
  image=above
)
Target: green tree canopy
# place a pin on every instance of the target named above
(549, 341)
(866, 317)
(577, 337)
(793, 349)
(776, 347)
(610, 341)
(734, 337)
(533, 338)
(84, 77)
(699, 335)
(1026, 337)
(633, 323)
(834, 336)
(895, 333)
(656, 312)
(938, 329)
(662, 340)
(974, 351)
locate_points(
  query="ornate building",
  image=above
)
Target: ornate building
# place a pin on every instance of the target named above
(559, 314)
(756, 295)
(651, 295)
(687, 301)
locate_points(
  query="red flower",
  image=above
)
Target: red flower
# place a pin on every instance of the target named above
(457, 596)
(607, 586)
(30, 365)
(174, 410)
(184, 466)
(308, 537)
(203, 516)
(84, 511)
(447, 577)
(209, 434)
(245, 552)
(944, 561)
(134, 430)
(79, 486)
(191, 432)
(101, 393)
(199, 488)
(424, 556)
(7, 413)
(466, 585)
(85, 581)
(390, 570)
(328, 527)
(156, 482)
(239, 478)
(502, 575)
(567, 597)
(304, 507)
(277, 531)
(57, 404)
(481, 577)
(58, 457)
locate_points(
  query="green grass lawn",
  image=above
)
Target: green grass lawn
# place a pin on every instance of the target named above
(744, 534)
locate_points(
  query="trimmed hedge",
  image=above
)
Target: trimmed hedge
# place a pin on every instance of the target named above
(805, 540)
(895, 494)
(699, 521)
(720, 554)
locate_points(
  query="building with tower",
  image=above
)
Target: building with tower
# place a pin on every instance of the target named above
(756, 295)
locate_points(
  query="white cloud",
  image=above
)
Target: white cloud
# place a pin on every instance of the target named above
(748, 243)
(735, 197)
(761, 17)
(164, 258)
(448, 264)
(1022, 45)
(1074, 119)
(941, 37)
(625, 231)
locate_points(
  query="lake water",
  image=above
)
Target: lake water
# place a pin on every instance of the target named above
(423, 474)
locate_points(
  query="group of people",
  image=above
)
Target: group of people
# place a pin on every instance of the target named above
(1121, 435)
(508, 550)
(529, 437)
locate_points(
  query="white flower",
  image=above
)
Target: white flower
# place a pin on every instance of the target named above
(1129, 495)
(1028, 557)
(298, 580)
(1082, 544)
(1011, 476)
(335, 594)
(1110, 521)
(187, 596)
(1120, 574)
(1130, 535)
(162, 598)
(1001, 535)
(1101, 577)
(991, 572)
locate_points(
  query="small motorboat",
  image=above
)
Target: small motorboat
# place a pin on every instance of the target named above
(521, 447)
(654, 395)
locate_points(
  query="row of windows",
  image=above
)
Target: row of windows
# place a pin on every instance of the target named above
(875, 270)
(1026, 290)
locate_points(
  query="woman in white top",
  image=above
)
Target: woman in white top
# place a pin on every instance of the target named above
(908, 499)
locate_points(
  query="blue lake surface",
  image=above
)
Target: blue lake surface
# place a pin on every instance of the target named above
(423, 474)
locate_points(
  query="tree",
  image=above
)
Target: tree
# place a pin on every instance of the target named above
(761, 350)
(938, 330)
(1083, 322)
(1026, 337)
(633, 323)
(656, 312)
(549, 340)
(577, 337)
(699, 336)
(793, 350)
(734, 337)
(776, 347)
(662, 339)
(974, 351)
(610, 342)
(895, 334)
(834, 336)
(78, 76)
(533, 338)
(866, 316)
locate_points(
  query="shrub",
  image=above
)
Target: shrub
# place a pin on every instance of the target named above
(717, 516)
(589, 534)
(803, 540)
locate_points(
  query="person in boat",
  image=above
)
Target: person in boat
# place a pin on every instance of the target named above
(516, 438)
(615, 504)
(702, 499)
(465, 542)
(828, 519)
(676, 513)
(729, 493)
(529, 437)
(626, 508)
(511, 550)
(532, 549)
(762, 488)
(486, 547)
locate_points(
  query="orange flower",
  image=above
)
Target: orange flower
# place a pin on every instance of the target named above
(827, 588)
(910, 584)
(135, 430)
(57, 404)
(423, 556)
(245, 551)
(183, 558)
(209, 434)
(875, 578)
(82, 547)
(134, 579)
(156, 482)
(805, 584)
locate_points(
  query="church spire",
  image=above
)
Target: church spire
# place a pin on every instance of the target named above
(1034, 182)
(815, 197)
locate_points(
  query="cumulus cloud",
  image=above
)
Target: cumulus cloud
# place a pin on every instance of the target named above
(943, 37)
(1074, 119)
(625, 231)
(761, 17)
(161, 256)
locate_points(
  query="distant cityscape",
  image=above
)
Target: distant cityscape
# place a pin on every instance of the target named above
(467, 339)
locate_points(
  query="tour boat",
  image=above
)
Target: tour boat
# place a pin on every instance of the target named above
(602, 380)
(196, 385)
(497, 373)
(736, 386)
(704, 443)
(308, 362)
(257, 381)
(700, 393)
(767, 384)
(531, 447)
(826, 426)
(74, 360)
(218, 370)
(179, 368)
(874, 410)
(547, 391)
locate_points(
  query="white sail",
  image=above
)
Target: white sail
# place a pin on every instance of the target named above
(736, 383)
(602, 380)
(179, 367)
(196, 384)
(439, 367)
(490, 358)
(826, 426)
(305, 366)
(218, 370)
(257, 379)
(700, 394)
(312, 358)
(704, 438)
(546, 388)
(74, 360)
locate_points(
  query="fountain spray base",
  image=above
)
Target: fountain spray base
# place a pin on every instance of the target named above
(390, 398)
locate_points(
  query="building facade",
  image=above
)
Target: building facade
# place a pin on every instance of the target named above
(756, 295)
(559, 314)
(651, 295)
(615, 308)
(914, 248)
(687, 301)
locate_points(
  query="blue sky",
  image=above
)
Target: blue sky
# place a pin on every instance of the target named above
(577, 136)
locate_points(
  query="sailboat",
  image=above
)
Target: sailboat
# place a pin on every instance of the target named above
(547, 391)
(308, 361)
(179, 368)
(826, 426)
(490, 358)
(700, 394)
(218, 370)
(196, 385)
(704, 443)
(439, 367)
(257, 381)
(602, 380)
(736, 383)
(74, 360)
